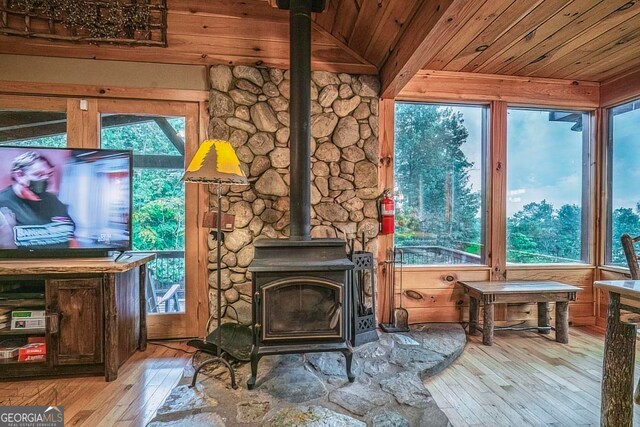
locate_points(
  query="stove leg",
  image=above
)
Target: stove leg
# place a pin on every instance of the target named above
(255, 358)
(348, 355)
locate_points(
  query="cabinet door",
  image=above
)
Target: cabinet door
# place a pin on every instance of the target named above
(77, 303)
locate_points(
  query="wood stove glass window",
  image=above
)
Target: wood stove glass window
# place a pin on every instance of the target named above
(302, 308)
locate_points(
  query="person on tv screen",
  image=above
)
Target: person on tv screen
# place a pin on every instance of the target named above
(30, 216)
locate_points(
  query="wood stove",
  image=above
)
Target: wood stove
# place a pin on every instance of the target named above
(300, 301)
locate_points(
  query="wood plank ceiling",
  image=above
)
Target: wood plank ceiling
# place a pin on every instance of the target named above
(565, 39)
(575, 39)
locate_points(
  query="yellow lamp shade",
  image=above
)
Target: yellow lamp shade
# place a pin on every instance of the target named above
(215, 161)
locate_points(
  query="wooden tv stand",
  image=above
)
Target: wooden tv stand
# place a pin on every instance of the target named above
(95, 313)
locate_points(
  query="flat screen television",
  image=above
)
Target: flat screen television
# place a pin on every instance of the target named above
(64, 201)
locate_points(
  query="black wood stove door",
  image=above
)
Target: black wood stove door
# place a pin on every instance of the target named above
(302, 308)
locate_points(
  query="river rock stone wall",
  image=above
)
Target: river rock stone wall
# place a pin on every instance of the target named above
(249, 107)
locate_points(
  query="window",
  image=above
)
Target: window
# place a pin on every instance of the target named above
(33, 128)
(623, 178)
(439, 179)
(158, 221)
(547, 186)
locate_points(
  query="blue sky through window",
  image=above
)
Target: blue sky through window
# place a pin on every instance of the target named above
(472, 149)
(626, 159)
(544, 160)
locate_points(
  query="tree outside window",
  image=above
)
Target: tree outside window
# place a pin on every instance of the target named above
(547, 184)
(439, 182)
(624, 176)
(158, 218)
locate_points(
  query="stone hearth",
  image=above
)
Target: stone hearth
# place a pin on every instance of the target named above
(312, 389)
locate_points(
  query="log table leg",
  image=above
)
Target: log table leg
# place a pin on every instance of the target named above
(543, 318)
(487, 327)
(562, 322)
(617, 369)
(474, 311)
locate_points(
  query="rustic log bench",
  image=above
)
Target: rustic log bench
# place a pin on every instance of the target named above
(542, 292)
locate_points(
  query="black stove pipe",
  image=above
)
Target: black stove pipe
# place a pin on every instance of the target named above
(300, 118)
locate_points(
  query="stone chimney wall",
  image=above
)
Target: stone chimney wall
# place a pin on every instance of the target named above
(249, 107)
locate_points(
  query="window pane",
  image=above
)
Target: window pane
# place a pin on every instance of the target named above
(439, 178)
(158, 220)
(624, 157)
(33, 128)
(546, 182)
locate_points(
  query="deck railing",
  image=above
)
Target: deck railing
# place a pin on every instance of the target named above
(427, 255)
(168, 270)
(434, 255)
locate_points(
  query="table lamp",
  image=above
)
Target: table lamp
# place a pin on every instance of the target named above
(216, 162)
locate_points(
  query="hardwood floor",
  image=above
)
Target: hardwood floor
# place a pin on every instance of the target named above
(525, 379)
(143, 383)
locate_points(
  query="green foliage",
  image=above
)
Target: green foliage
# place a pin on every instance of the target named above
(436, 205)
(141, 137)
(158, 194)
(55, 141)
(625, 220)
(539, 234)
(159, 224)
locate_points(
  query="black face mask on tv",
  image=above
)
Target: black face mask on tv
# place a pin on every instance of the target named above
(39, 187)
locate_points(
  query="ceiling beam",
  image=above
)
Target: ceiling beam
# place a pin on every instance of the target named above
(432, 26)
(170, 133)
(621, 88)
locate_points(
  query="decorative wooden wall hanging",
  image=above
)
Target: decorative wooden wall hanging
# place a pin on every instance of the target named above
(129, 22)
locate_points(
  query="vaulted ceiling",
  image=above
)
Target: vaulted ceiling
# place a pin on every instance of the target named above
(569, 39)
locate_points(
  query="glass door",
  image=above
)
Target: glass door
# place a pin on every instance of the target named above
(157, 135)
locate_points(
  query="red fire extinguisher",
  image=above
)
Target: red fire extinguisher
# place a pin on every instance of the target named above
(386, 209)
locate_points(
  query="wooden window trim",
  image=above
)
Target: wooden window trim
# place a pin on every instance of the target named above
(588, 196)
(34, 103)
(620, 89)
(485, 205)
(606, 209)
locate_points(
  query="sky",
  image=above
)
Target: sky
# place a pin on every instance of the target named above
(544, 160)
(472, 149)
(626, 160)
(544, 157)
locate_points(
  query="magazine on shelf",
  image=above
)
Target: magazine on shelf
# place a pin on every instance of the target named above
(28, 319)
